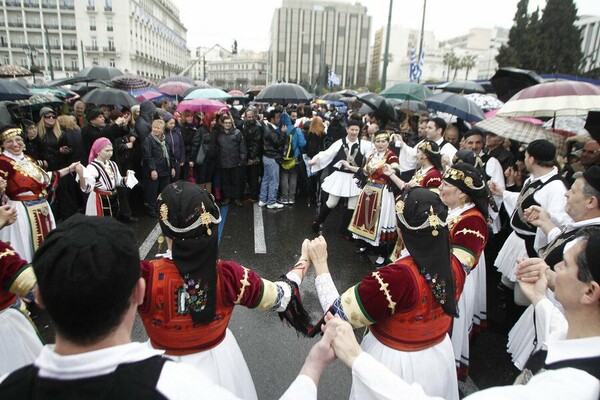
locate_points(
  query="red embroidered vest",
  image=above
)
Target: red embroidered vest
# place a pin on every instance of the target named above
(171, 330)
(426, 324)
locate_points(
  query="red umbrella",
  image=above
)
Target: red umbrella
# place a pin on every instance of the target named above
(551, 99)
(236, 93)
(201, 105)
(174, 88)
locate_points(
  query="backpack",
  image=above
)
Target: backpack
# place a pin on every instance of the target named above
(289, 161)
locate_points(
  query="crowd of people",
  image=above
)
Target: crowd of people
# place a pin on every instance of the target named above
(448, 210)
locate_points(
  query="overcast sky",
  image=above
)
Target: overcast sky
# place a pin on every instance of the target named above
(211, 22)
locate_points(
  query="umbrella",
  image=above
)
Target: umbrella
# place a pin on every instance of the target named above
(12, 71)
(39, 99)
(178, 78)
(254, 90)
(407, 91)
(414, 106)
(130, 82)
(462, 87)
(110, 96)
(567, 124)
(331, 96)
(485, 101)
(520, 131)
(201, 105)
(508, 81)
(379, 106)
(174, 88)
(59, 92)
(552, 99)
(98, 72)
(236, 93)
(202, 84)
(82, 88)
(209, 93)
(284, 93)
(148, 94)
(455, 104)
(13, 91)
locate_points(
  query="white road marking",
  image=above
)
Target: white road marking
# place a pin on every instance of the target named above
(260, 246)
(149, 242)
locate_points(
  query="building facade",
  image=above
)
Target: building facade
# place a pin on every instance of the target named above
(144, 37)
(308, 39)
(590, 43)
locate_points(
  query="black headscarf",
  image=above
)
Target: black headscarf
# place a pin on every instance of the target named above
(468, 180)
(190, 216)
(422, 221)
(432, 152)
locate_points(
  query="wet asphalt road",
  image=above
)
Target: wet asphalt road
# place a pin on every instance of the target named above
(273, 352)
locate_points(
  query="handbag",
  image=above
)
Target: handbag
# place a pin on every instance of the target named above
(201, 156)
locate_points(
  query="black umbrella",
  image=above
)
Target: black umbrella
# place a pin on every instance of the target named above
(462, 87)
(377, 105)
(284, 93)
(13, 91)
(455, 104)
(110, 96)
(100, 73)
(177, 78)
(414, 106)
(87, 86)
(131, 82)
(331, 96)
(507, 81)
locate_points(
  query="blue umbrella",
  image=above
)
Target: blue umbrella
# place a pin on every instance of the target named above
(455, 104)
(13, 91)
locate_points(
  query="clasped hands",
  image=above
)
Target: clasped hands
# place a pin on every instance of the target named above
(313, 252)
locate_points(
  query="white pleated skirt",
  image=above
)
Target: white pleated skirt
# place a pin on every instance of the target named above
(20, 343)
(480, 278)
(506, 261)
(461, 328)
(340, 184)
(224, 365)
(432, 368)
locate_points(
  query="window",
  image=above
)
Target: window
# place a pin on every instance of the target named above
(112, 62)
(111, 44)
(74, 64)
(92, 24)
(90, 5)
(95, 61)
(94, 43)
(107, 5)
(109, 24)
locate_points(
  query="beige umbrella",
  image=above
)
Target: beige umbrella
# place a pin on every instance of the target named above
(12, 71)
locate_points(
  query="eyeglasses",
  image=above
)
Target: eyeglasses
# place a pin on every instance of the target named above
(49, 117)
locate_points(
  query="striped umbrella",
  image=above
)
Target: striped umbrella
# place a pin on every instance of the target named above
(131, 82)
(520, 131)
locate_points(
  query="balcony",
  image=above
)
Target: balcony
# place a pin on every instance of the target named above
(68, 27)
(51, 26)
(91, 8)
(109, 28)
(108, 9)
(67, 6)
(93, 28)
(15, 24)
(91, 48)
(55, 46)
(70, 48)
(71, 68)
(31, 4)
(48, 5)
(109, 49)
(13, 3)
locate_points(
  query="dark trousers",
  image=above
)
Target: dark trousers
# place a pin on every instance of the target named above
(230, 183)
(253, 178)
(124, 208)
(152, 189)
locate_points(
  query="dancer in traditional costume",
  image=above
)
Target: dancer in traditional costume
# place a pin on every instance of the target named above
(408, 305)
(374, 218)
(465, 193)
(191, 295)
(27, 186)
(340, 183)
(20, 343)
(102, 178)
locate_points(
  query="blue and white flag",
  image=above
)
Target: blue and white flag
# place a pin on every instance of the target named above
(411, 71)
(419, 69)
(333, 79)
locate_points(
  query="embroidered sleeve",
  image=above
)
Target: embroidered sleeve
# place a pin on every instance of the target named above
(388, 290)
(16, 276)
(469, 237)
(242, 285)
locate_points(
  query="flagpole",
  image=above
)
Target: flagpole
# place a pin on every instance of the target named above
(422, 33)
(387, 47)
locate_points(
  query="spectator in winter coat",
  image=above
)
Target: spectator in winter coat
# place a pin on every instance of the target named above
(231, 155)
(157, 166)
(253, 135)
(191, 142)
(175, 144)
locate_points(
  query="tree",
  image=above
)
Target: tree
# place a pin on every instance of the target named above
(560, 39)
(467, 62)
(451, 62)
(508, 56)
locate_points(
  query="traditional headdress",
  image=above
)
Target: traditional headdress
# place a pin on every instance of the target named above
(422, 221)
(432, 152)
(382, 135)
(190, 216)
(9, 132)
(469, 181)
(97, 147)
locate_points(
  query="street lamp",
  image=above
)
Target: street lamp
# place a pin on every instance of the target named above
(31, 52)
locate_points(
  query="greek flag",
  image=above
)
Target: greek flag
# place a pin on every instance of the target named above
(413, 67)
(333, 79)
(419, 69)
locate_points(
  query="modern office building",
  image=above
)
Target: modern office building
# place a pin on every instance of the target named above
(590, 43)
(310, 38)
(144, 37)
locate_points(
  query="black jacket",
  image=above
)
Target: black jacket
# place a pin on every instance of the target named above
(192, 137)
(273, 143)
(253, 134)
(154, 159)
(231, 148)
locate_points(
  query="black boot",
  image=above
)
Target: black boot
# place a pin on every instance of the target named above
(323, 213)
(346, 218)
